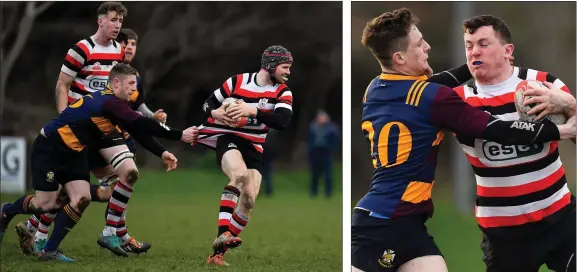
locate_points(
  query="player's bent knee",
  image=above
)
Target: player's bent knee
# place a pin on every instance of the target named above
(434, 263)
(80, 203)
(44, 201)
(132, 176)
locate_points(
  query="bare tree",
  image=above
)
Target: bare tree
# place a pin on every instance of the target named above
(23, 29)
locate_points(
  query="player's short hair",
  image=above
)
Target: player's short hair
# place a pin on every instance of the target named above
(121, 70)
(107, 7)
(387, 34)
(499, 26)
(126, 34)
(130, 34)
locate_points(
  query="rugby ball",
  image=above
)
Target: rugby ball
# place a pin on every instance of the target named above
(241, 122)
(520, 97)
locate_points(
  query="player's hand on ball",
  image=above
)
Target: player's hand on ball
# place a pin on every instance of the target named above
(221, 116)
(240, 109)
(160, 116)
(169, 160)
(550, 101)
(190, 135)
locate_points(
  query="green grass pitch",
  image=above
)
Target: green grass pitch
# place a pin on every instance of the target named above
(177, 212)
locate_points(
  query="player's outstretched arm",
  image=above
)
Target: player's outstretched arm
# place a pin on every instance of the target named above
(159, 115)
(450, 111)
(133, 122)
(453, 77)
(148, 142)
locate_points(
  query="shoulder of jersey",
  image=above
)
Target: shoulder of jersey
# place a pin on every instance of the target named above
(420, 92)
(88, 40)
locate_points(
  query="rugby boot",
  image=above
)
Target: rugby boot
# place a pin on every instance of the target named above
(38, 245)
(134, 246)
(25, 238)
(227, 241)
(217, 259)
(54, 255)
(112, 243)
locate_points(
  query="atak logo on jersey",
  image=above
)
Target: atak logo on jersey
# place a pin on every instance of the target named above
(96, 66)
(262, 102)
(523, 125)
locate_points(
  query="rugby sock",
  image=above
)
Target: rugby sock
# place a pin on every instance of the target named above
(66, 219)
(237, 222)
(121, 230)
(116, 206)
(228, 201)
(20, 206)
(32, 223)
(45, 222)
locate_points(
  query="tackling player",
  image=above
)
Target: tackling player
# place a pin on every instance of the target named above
(267, 102)
(524, 207)
(39, 226)
(403, 118)
(84, 71)
(60, 155)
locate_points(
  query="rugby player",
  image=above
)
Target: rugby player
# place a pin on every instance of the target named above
(403, 118)
(59, 157)
(524, 208)
(267, 102)
(38, 227)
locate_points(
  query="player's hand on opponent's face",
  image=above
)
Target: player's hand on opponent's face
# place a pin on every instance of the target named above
(190, 135)
(170, 160)
(240, 109)
(552, 100)
(221, 116)
(160, 116)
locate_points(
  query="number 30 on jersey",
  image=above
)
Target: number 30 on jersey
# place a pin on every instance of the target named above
(401, 144)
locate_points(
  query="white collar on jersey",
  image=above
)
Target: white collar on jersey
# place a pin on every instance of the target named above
(499, 86)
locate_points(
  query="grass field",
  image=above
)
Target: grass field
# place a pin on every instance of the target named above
(177, 212)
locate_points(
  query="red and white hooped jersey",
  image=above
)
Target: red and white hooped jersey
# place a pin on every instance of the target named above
(516, 184)
(265, 98)
(90, 63)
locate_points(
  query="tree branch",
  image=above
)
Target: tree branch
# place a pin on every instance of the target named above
(24, 29)
(43, 7)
